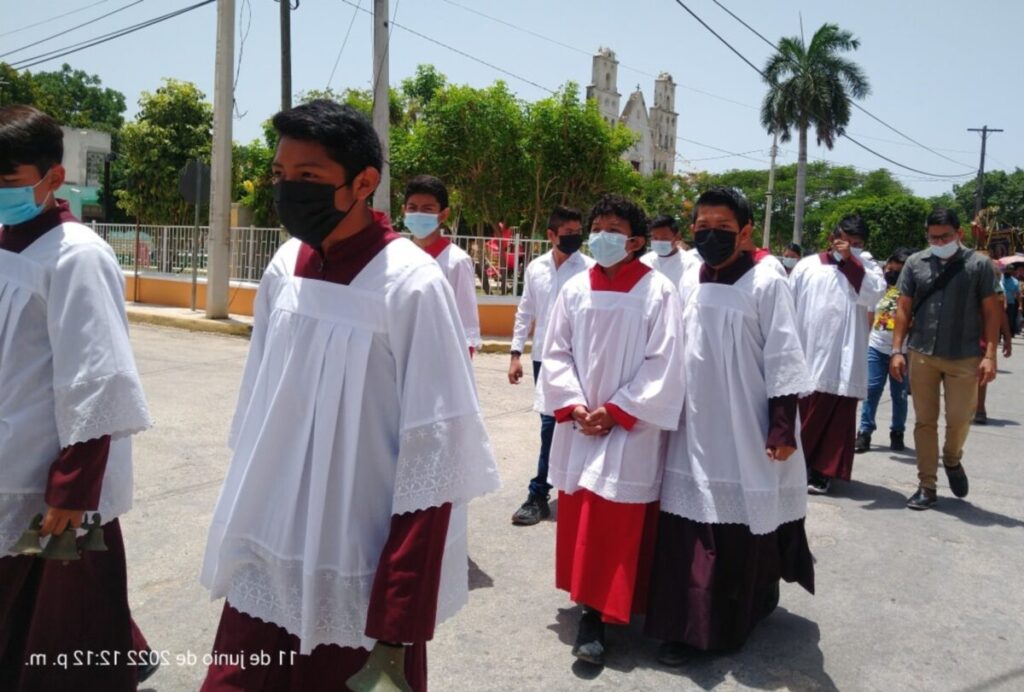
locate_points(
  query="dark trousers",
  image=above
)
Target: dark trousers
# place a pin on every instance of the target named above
(539, 484)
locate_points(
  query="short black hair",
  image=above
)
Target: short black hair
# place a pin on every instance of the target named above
(344, 133)
(795, 247)
(721, 196)
(617, 205)
(665, 221)
(427, 185)
(29, 137)
(900, 255)
(853, 224)
(560, 216)
(942, 216)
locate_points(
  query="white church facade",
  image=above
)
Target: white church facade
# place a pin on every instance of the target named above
(655, 148)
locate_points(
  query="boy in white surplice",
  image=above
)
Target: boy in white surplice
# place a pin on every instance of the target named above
(613, 380)
(734, 495)
(358, 440)
(70, 401)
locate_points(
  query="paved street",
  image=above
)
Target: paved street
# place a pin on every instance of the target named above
(905, 600)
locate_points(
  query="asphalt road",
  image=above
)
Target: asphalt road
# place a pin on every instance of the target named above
(905, 600)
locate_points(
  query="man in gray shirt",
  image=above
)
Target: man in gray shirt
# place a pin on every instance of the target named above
(949, 305)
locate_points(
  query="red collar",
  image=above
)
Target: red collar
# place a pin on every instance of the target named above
(626, 278)
(437, 247)
(727, 275)
(17, 238)
(346, 258)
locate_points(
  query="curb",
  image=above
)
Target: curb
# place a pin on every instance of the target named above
(192, 324)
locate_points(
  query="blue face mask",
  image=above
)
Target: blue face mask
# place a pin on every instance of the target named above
(18, 204)
(663, 248)
(420, 224)
(607, 247)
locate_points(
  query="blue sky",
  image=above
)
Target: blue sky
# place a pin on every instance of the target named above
(936, 67)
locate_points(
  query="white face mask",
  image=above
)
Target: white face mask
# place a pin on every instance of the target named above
(663, 248)
(607, 247)
(790, 262)
(945, 251)
(857, 251)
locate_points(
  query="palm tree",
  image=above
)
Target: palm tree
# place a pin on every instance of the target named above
(811, 85)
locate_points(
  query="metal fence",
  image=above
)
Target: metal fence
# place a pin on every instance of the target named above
(499, 262)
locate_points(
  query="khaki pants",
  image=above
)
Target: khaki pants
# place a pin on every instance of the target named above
(958, 379)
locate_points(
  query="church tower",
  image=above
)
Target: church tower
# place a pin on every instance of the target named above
(604, 84)
(663, 123)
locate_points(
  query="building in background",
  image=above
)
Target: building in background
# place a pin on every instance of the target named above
(85, 152)
(655, 148)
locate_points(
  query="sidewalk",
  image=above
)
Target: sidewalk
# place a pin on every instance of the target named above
(239, 325)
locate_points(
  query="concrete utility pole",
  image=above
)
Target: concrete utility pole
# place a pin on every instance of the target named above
(979, 189)
(286, 52)
(381, 102)
(219, 239)
(769, 196)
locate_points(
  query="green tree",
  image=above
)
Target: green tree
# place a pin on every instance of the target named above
(360, 99)
(253, 187)
(173, 126)
(471, 139)
(1003, 190)
(420, 89)
(895, 220)
(811, 86)
(78, 99)
(15, 86)
(572, 154)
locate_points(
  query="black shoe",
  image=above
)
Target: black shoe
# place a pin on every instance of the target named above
(896, 442)
(674, 654)
(924, 498)
(981, 418)
(863, 443)
(817, 484)
(146, 671)
(533, 510)
(957, 479)
(589, 645)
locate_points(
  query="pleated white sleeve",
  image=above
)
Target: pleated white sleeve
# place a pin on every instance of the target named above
(559, 384)
(785, 365)
(96, 385)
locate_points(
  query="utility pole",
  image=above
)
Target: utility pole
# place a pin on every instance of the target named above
(979, 189)
(286, 52)
(769, 196)
(218, 241)
(381, 102)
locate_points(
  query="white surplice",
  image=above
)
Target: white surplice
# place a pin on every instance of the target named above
(832, 320)
(357, 403)
(621, 348)
(458, 268)
(541, 284)
(672, 266)
(742, 349)
(67, 373)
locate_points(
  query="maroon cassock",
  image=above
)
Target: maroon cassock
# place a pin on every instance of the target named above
(76, 610)
(403, 601)
(828, 427)
(712, 583)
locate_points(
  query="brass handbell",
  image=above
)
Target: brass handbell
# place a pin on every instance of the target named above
(93, 539)
(29, 544)
(62, 546)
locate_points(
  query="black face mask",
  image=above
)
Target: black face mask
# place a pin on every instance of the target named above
(307, 209)
(570, 243)
(715, 245)
(891, 277)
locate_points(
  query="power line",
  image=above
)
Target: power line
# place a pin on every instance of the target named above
(856, 105)
(52, 19)
(456, 50)
(243, 36)
(82, 45)
(714, 148)
(760, 72)
(67, 31)
(577, 49)
(384, 55)
(344, 42)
